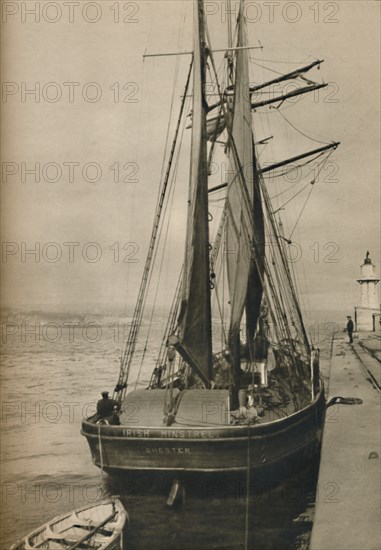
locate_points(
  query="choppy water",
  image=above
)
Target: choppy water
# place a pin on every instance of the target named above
(47, 387)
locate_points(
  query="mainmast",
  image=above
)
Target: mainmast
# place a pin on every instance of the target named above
(245, 218)
(194, 337)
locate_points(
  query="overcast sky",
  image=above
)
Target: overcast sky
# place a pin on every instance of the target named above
(89, 132)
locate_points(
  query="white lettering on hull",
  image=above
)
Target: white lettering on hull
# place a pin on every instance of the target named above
(167, 450)
(170, 434)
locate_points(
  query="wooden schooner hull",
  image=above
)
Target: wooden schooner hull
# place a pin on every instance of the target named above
(273, 450)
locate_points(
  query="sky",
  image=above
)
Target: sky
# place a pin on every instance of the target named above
(94, 129)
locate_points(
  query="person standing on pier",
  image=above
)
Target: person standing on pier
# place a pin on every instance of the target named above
(350, 329)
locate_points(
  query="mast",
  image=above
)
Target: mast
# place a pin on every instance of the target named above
(194, 336)
(245, 215)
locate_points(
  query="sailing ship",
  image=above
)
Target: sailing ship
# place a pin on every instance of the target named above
(253, 400)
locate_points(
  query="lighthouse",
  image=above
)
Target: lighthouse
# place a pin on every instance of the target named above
(367, 315)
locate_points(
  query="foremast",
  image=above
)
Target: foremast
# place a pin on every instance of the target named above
(194, 342)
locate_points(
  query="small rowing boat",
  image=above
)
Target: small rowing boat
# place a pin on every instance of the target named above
(99, 526)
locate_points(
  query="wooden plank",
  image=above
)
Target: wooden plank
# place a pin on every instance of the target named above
(93, 531)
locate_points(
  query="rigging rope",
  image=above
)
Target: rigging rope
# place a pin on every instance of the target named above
(172, 320)
(150, 260)
(278, 61)
(266, 68)
(100, 445)
(283, 258)
(271, 175)
(293, 197)
(295, 274)
(309, 194)
(171, 192)
(301, 212)
(297, 129)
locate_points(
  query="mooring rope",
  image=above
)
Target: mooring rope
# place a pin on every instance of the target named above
(247, 504)
(100, 445)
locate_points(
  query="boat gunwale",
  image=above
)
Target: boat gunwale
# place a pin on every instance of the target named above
(246, 430)
(223, 468)
(118, 508)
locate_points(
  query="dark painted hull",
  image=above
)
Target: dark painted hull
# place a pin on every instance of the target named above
(274, 450)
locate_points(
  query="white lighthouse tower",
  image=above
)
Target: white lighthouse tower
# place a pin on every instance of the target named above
(367, 315)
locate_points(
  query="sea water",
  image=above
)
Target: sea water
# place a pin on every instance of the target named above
(51, 377)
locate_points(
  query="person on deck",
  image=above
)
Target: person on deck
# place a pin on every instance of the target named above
(247, 411)
(350, 329)
(107, 407)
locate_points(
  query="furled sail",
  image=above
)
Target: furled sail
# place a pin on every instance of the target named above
(195, 314)
(254, 287)
(243, 191)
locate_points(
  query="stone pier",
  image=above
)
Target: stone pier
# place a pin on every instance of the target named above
(348, 507)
